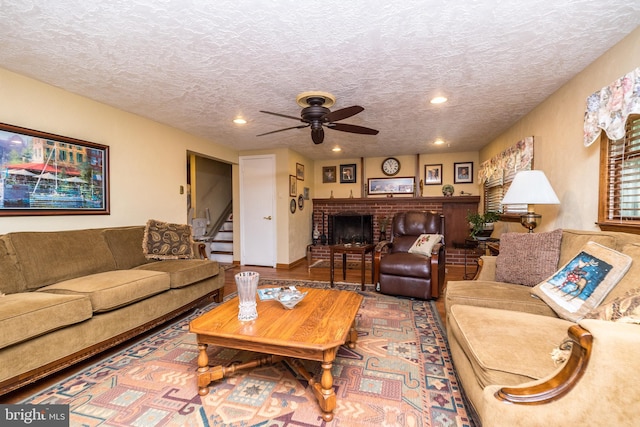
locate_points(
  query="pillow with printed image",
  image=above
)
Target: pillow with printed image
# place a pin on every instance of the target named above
(425, 243)
(582, 283)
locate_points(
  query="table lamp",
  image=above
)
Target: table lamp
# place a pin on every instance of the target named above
(530, 188)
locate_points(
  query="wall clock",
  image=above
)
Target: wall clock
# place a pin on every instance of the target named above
(390, 166)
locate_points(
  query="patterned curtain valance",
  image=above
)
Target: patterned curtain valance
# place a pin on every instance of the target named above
(516, 158)
(610, 107)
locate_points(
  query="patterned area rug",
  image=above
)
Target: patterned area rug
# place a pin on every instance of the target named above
(399, 374)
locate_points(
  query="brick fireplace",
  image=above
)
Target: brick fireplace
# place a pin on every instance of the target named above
(454, 208)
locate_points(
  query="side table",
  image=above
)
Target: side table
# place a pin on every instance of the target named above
(480, 246)
(350, 248)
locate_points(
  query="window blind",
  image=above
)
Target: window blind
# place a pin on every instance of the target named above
(623, 174)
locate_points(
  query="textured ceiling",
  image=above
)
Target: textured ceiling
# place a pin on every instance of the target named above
(197, 64)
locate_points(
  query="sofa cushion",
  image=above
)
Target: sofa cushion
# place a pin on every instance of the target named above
(622, 309)
(506, 347)
(574, 240)
(631, 279)
(184, 272)
(528, 258)
(29, 314)
(12, 281)
(125, 244)
(113, 289)
(581, 284)
(425, 243)
(406, 264)
(505, 296)
(48, 257)
(163, 240)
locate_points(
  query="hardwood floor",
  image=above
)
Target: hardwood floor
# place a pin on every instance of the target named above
(300, 272)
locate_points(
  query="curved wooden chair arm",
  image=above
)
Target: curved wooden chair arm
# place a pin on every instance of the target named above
(562, 382)
(479, 269)
(202, 251)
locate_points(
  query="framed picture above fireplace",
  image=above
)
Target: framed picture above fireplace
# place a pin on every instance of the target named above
(391, 185)
(348, 174)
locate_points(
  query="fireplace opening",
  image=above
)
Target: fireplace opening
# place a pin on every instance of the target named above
(350, 228)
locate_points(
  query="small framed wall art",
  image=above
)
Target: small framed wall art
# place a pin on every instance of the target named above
(328, 174)
(348, 174)
(293, 186)
(433, 174)
(300, 171)
(463, 173)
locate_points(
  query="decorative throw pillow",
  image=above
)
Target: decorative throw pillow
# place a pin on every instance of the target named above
(528, 258)
(425, 243)
(163, 240)
(582, 283)
(622, 309)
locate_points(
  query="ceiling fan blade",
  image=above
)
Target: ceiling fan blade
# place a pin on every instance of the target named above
(344, 127)
(282, 115)
(280, 130)
(342, 113)
(317, 135)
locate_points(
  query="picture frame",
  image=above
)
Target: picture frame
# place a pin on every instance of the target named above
(463, 173)
(300, 171)
(348, 173)
(305, 192)
(48, 174)
(433, 174)
(328, 174)
(401, 185)
(293, 185)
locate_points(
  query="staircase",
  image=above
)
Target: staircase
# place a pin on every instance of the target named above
(222, 243)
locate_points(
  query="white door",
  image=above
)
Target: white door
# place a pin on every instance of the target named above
(257, 210)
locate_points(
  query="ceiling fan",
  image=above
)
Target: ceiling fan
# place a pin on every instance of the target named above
(316, 114)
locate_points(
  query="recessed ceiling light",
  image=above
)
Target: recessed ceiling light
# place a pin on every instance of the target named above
(240, 121)
(439, 100)
(438, 141)
(336, 149)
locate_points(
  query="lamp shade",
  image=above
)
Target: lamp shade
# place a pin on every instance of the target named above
(530, 188)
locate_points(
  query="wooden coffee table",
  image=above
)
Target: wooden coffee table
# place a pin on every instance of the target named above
(314, 330)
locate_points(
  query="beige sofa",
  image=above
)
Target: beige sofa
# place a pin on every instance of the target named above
(502, 340)
(71, 294)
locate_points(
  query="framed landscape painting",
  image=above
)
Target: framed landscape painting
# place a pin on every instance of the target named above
(391, 185)
(47, 174)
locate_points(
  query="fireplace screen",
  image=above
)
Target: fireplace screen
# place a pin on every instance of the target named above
(350, 228)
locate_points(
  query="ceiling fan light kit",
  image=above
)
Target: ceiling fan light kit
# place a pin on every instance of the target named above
(316, 114)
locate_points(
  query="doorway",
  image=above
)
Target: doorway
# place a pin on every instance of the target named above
(257, 210)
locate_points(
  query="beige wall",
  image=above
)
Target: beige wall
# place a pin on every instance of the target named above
(557, 127)
(145, 176)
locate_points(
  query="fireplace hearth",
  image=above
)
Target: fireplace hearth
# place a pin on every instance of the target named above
(350, 228)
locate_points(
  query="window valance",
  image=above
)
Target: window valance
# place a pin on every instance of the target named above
(513, 159)
(609, 108)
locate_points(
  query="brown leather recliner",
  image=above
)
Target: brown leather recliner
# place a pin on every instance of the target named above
(399, 272)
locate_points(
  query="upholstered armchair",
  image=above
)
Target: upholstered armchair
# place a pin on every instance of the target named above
(399, 272)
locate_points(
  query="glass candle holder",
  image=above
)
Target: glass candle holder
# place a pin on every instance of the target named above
(247, 284)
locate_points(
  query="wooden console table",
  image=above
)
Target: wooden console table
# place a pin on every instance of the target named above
(353, 248)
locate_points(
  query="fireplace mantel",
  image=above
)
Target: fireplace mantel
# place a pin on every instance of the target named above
(397, 200)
